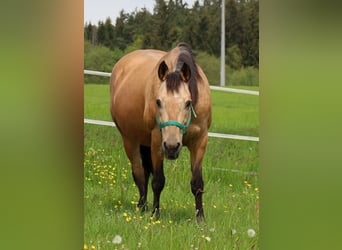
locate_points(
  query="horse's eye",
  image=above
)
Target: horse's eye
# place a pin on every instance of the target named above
(188, 104)
(158, 102)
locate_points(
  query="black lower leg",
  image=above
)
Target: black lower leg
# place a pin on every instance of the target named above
(197, 188)
(142, 191)
(145, 154)
(158, 183)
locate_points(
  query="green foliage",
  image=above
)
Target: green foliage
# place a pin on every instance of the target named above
(250, 45)
(172, 22)
(137, 44)
(210, 65)
(99, 58)
(245, 76)
(234, 57)
(239, 77)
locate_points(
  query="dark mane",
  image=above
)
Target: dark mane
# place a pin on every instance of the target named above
(173, 80)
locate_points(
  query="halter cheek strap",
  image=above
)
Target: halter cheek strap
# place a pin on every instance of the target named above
(175, 123)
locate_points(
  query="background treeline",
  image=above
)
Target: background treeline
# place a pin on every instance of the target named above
(174, 21)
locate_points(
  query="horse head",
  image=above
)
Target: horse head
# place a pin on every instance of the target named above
(174, 107)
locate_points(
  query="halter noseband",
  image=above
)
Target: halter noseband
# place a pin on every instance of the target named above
(175, 123)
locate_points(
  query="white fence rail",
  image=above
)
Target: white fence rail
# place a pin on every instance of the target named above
(240, 91)
(97, 73)
(211, 134)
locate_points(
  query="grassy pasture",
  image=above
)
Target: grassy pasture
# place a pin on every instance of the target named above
(231, 191)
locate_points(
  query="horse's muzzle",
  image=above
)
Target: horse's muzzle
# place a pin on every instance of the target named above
(171, 151)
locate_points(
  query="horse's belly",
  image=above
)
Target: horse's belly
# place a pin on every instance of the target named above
(130, 122)
(136, 133)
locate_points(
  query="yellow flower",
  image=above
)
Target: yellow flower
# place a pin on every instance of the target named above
(156, 222)
(85, 247)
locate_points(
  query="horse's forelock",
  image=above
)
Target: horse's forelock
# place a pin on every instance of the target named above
(187, 56)
(173, 81)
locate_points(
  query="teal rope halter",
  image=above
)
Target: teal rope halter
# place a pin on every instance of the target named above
(175, 123)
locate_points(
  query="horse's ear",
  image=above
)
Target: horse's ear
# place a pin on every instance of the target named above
(185, 73)
(163, 70)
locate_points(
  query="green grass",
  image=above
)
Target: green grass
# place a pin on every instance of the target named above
(231, 193)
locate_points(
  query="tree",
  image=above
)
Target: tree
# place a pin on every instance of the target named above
(87, 31)
(234, 57)
(173, 21)
(90, 33)
(233, 25)
(250, 45)
(109, 29)
(122, 32)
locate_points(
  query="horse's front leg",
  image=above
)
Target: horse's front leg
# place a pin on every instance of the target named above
(197, 151)
(158, 182)
(158, 179)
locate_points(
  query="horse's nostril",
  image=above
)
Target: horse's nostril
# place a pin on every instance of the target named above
(171, 148)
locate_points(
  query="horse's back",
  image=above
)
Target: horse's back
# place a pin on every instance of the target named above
(135, 65)
(127, 92)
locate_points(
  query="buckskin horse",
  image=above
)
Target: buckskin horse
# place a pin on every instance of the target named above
(160, 101)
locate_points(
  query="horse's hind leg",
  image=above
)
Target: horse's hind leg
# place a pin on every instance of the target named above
(140, 175)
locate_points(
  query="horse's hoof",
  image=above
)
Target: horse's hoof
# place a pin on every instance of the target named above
(155, 214)
(200, 217)
(143, 208)
(200, 220)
